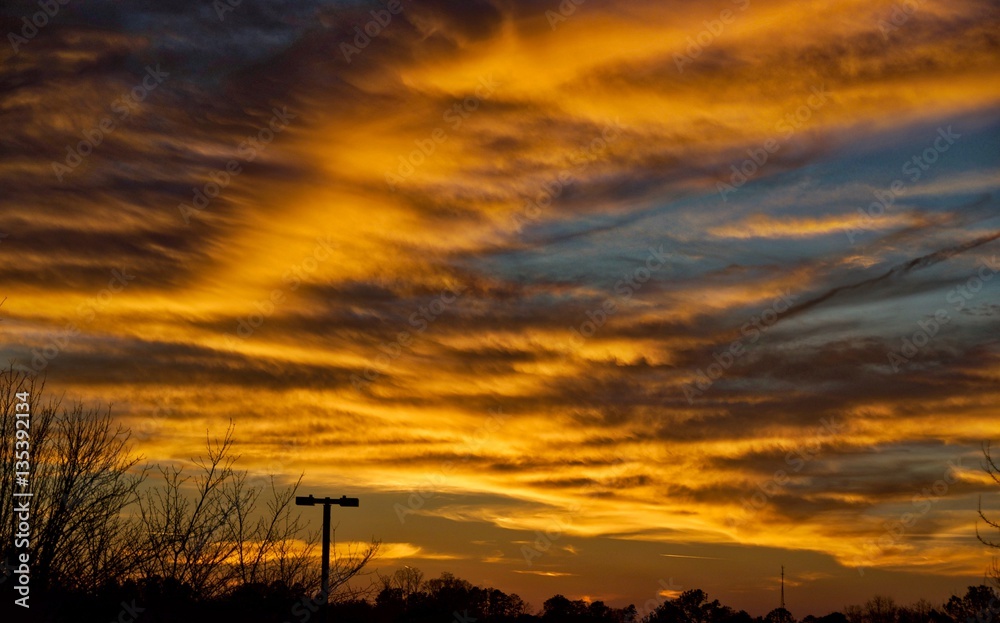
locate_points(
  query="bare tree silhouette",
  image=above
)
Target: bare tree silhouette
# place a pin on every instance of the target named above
(83, 476)
(89, 477)
(222, 536)
(406, 581)
(185, 536)
(991, 468)
(97, 519)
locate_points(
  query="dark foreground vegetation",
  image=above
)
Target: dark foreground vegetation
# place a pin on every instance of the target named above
(108, 538)
(405, 598)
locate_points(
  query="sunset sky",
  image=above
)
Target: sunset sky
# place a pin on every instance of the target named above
(697, 289)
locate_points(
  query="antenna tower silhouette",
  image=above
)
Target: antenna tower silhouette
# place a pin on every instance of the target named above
(782, 586)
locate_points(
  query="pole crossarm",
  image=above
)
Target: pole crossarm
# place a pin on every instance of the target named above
(313, 501)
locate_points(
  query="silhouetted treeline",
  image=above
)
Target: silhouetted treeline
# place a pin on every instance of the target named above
(405, 597)
(110, 539)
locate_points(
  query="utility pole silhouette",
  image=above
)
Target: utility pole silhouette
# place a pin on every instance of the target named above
(327, 503)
